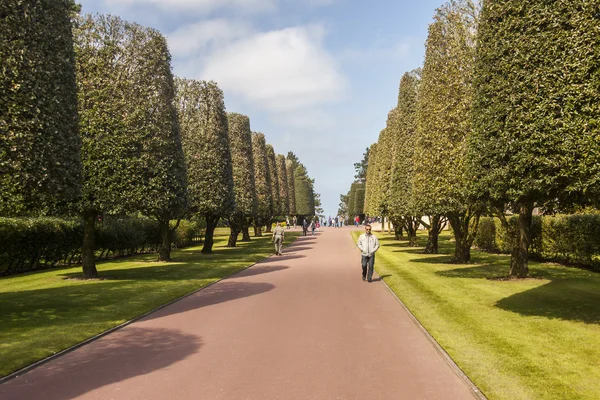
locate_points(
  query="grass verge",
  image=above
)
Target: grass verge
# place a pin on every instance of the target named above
(43, 313)
(536, 338)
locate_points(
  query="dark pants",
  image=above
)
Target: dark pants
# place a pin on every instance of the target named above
(367, 262)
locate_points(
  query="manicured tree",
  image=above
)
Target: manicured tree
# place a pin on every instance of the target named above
(359, 199)
(370, 207)
(40, 161)
(131, 150)
(289, 171)
(262, 179)
(402, 209)
(351, 195)
(537, 108)
(305, 204)
(283, 184)
(444, 123)
(381, 171)
(162, 165)
(276, 200)
(240, 143)
(204, 133)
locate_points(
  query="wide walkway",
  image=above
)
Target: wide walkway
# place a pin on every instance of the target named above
(298, 326)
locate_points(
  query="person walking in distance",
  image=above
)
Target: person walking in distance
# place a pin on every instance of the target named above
(278, 235)
(368, 245)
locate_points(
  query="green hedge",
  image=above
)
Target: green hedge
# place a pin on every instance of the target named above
(570, 239)
(29, 244)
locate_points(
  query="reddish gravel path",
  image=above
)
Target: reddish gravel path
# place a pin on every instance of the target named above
(299, 326)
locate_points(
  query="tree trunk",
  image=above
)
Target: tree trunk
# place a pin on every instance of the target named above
(257, 228)
(235, 227)
(411, 225)
(166, 234)
(436, 224)
(211, 224)
(268, 226)
(519, 267)
(245, 230)
(89, 245)
(464, 225)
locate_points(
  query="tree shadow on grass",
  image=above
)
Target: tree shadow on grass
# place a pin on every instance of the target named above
(571, 294)
(566, 299)
(124, 354)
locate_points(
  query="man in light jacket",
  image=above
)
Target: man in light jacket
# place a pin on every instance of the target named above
(368, 245)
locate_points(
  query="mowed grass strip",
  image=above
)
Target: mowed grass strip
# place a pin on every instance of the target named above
(45, 312)
(536, 338)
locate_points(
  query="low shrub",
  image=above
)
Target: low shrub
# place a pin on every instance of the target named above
(571, 239)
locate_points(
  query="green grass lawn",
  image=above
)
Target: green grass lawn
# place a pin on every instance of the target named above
(43, 313)
(537, 338)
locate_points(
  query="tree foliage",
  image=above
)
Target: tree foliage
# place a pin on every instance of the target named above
(40, 160)
(305, 200)
(371, 204)
(404, 126)
(274, 177)
(289, 170)
(262, 178)
(240, 142)
(206, 148)
(283, 184)
(361, 167)
(444, 111)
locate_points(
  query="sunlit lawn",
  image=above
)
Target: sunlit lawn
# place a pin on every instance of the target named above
(43, 313)
(537, 338)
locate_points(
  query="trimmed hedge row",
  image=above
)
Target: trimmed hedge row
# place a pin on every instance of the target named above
(569, 239)
(28, 244)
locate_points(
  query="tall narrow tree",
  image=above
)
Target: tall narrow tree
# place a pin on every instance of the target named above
(40, 160)
(240, 142)
(289, 171)
(131, 151)
(205, 140)
(402, 209)
(305, 202)
(262, 181)
(283, 184)
(537, 107)
(276, 200)
(444, 123)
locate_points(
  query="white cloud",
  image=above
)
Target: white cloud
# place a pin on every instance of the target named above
(279, 70)
(193, 38)
(200, 5)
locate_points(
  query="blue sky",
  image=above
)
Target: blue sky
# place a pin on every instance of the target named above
(317, 77)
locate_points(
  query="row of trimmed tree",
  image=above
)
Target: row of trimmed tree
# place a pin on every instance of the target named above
(503, 116)
(93, 122)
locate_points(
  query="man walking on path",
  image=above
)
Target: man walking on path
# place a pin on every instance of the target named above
(278, 234)
(368, 245)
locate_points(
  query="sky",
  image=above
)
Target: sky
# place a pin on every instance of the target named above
(317, 77)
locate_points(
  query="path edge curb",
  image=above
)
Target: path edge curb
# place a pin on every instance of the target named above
(459, 372)
(43, 361)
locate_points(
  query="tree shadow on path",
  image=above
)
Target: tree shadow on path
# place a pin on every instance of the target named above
(124, 354)
(218, 293)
